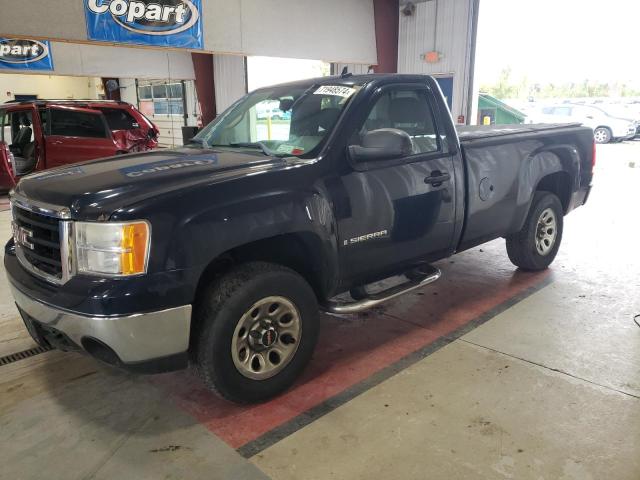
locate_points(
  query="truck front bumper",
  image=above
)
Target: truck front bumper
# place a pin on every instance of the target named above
(151, 342)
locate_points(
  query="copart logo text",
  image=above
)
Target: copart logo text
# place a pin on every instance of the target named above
(159, 17)
(22, 51)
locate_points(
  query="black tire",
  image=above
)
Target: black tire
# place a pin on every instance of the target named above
(521, 246)
(223, 304)
(602, 135)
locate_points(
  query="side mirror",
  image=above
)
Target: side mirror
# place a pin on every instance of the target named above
(382, 144)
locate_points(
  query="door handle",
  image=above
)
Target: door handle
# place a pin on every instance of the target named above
(437, 178)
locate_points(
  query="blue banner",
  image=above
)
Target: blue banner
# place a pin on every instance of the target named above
(19, 54)
(161, 23)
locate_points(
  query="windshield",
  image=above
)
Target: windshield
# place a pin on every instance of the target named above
(282, 121)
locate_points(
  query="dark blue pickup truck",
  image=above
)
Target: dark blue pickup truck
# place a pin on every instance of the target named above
(221, 253)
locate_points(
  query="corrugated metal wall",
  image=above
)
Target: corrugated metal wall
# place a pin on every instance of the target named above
(445, 26)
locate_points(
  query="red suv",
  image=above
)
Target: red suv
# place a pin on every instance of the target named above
(42, 134)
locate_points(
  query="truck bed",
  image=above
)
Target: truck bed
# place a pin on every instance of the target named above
(503, 164)
(469, 133)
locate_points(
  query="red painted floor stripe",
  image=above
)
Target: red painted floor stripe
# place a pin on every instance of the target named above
(352, 349)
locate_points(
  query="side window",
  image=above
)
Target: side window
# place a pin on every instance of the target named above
(407, 110)
(119, 119)
(71, 123)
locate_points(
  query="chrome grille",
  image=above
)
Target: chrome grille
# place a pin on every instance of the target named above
(41, 247)
(41, 236)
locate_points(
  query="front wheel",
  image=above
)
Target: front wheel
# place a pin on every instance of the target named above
(258, 327)
(602, 135)
(536, 245)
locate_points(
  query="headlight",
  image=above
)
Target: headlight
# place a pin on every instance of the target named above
(112, 248)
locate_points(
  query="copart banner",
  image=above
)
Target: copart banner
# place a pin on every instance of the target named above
(20, 54)
(162, 23)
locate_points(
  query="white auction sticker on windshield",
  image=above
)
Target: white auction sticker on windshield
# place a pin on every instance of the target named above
(337, 90)
(284, 148)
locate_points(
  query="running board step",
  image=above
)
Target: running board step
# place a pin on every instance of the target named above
(416, 278)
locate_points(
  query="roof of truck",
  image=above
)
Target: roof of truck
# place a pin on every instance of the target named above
(349, 79)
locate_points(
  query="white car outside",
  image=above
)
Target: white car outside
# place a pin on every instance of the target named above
(629, 111)
(606, 128)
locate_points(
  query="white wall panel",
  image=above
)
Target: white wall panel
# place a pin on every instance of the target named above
(45, 86)
(97, 61)
(331, 30)
(61, 19)
(444, 26)
(102, 61)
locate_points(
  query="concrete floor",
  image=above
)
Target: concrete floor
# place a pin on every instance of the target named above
(489, 373)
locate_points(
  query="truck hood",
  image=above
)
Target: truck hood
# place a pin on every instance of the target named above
(95, 189)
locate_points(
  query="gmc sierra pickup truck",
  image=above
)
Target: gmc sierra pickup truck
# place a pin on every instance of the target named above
(221, 253)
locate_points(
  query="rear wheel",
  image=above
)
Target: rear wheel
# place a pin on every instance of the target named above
(258, 327)
(602, 135)
(536, 245)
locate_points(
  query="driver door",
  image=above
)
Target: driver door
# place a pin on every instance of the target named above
(399, 211)
(76, 134)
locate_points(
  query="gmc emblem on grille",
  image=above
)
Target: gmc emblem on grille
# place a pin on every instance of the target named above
(22, 236)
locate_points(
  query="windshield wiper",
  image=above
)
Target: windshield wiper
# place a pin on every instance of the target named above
(259, 145)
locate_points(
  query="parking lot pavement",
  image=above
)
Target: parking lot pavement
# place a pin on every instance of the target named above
(488, 373)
